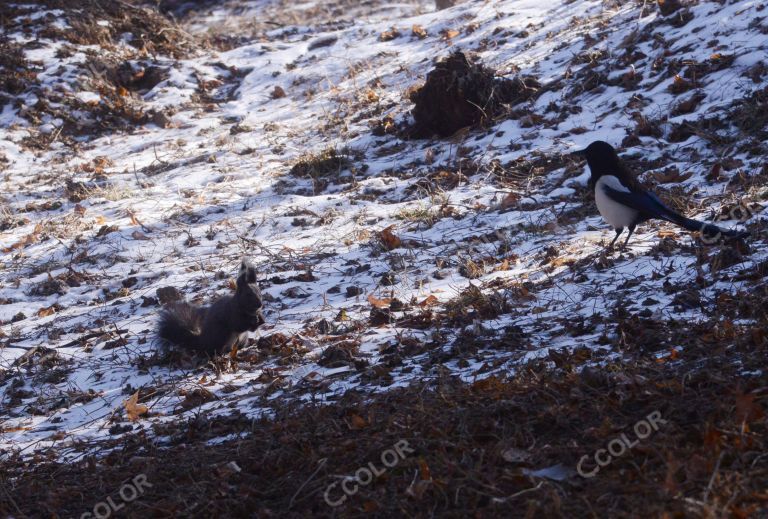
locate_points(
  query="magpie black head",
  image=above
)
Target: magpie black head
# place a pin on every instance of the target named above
(603, 160)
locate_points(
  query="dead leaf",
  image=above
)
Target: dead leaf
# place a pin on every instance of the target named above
(6, 430)
(418, 486)
(379, 303)
(134, 220)
(670, 175)
(138, 235)
(504, 265)
(419, 32)
(27, 240)
(107, 229)
(431, 300)
(389, 35)
(714, 173)
(747, 410)
(509, 201)
(46, 311)
(424, 472)
(133, 408)
(358, 422)
(680, 85)
(449, 34)
(388, 238)
(277, 92)
(371, 96)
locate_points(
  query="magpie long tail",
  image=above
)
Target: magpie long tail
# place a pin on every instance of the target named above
(651, 206)
(708, 231)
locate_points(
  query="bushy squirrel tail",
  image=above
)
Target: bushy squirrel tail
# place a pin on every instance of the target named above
(180, 324)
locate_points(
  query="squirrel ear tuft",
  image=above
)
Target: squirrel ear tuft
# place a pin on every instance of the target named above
(247, 272)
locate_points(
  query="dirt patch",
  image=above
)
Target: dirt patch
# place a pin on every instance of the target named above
(461, 92)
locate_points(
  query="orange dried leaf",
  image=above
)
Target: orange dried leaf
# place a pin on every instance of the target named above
(389, 239)
(389, 35)
(20, 244)
(424, 472)
(133, 408)
(371, 96)
(46, 311)
(429, 301)
(450, 34)
(379, 303)
(6, 430)
(357, 422)
(509, 201)
(419, 32)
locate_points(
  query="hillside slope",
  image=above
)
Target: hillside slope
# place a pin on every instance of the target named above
(139, 153)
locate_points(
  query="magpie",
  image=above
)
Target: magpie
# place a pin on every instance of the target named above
(624, 203)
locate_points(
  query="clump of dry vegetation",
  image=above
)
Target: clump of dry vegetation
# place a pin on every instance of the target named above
(15, 71)
(152, 33)
(461, 92)
(326, 163)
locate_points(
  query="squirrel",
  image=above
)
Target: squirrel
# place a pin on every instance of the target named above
(216, 328)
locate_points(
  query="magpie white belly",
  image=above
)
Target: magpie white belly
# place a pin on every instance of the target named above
(615, 214)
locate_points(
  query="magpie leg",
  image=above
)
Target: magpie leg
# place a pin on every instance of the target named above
(618, 233)
(631, 230)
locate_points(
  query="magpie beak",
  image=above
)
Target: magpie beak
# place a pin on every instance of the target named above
(582, 154)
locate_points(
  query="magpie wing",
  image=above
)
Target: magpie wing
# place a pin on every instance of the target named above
(644, 202)
(651, 205)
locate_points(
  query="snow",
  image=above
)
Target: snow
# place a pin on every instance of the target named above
(223, 190)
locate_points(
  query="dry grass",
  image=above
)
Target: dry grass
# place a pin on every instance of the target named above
(474, 445)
